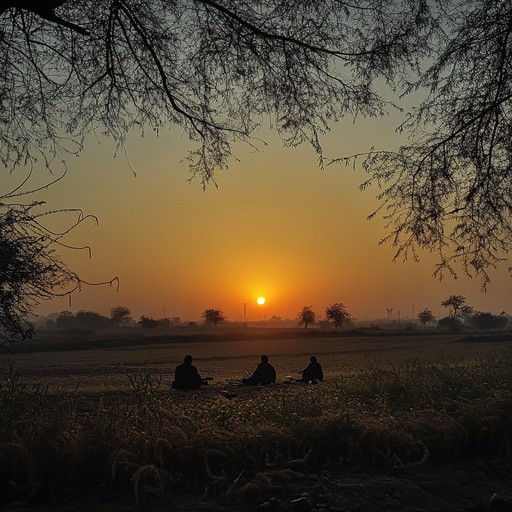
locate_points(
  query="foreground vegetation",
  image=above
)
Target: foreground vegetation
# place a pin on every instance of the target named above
(248, 444)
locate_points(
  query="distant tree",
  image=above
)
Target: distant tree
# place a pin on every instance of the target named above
(449, 324)
(91, 320)
(307, 316)
(120, 315)
(164, 322)
(64, 320)
(425, 317)
(147, 323)
(275, 319)
(488, 321)
(213, 316)
(457, 307)
(337, 314)
(82, 320)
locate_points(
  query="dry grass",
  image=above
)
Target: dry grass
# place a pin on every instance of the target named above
(145, 439)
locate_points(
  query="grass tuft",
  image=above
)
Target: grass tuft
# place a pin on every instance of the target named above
(150, 441)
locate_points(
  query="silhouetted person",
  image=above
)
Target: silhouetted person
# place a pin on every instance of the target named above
(313, 371)
(186, 376)
(264, 374)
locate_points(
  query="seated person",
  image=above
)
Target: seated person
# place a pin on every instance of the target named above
(264, 374)
(186, 376)
(313, 371)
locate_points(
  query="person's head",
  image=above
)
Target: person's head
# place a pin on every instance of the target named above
(313, 359)
(264, 359)
(188, 359)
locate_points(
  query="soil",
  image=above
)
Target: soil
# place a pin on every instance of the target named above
(470, 486)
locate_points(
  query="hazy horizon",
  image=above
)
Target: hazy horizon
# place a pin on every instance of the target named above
(277, 226)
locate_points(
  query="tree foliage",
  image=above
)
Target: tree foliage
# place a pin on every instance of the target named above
(457, 307)
(213, 316)
(221, 69)
(337, 314)
(448, 190)
(30, 269)
(147, 322)
(30, 272)
(425, 317)
(307, 316)
(82, 320)
(120, 315)
(449, 323)
(216, 68)
(488, 322)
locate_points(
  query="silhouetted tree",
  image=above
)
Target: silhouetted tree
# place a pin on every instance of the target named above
(307, 316)
(82, 320)
(120, 315)
(213, 67)
(457, 307)
(425, 317)
(147, 323)
(448, 189)
(91, 320)
(449, 323)
(64, 320)
(337, 314)
(488, 321)
(30, 269)
(30, 272)
(217, 68)
(213, 316)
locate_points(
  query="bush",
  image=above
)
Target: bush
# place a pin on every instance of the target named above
(449, 324)
(488, 321)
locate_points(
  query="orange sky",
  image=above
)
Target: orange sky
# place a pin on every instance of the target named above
(277, 226)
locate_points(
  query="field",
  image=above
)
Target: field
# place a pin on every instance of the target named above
(97, 414)
(103, 364)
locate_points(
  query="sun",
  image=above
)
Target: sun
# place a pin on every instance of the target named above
(261, 300)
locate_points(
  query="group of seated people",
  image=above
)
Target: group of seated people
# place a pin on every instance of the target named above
(187, 377)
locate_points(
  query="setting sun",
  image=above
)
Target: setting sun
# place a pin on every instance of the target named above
(261, 301)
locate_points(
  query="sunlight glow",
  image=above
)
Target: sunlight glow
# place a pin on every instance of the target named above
(261, 301)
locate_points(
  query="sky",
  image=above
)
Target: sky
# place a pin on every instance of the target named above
(276, 225)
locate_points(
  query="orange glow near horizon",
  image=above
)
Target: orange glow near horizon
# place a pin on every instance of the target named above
(277, 227)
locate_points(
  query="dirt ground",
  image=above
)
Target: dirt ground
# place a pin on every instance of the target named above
(468, 486)
(471, 486)
(106, 368)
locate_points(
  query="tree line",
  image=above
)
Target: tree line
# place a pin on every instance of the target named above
(336, 315)
(120, 316)
(459, 315)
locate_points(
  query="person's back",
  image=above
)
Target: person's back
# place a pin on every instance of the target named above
(186, 376)
(265, 374)
(313, 372)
